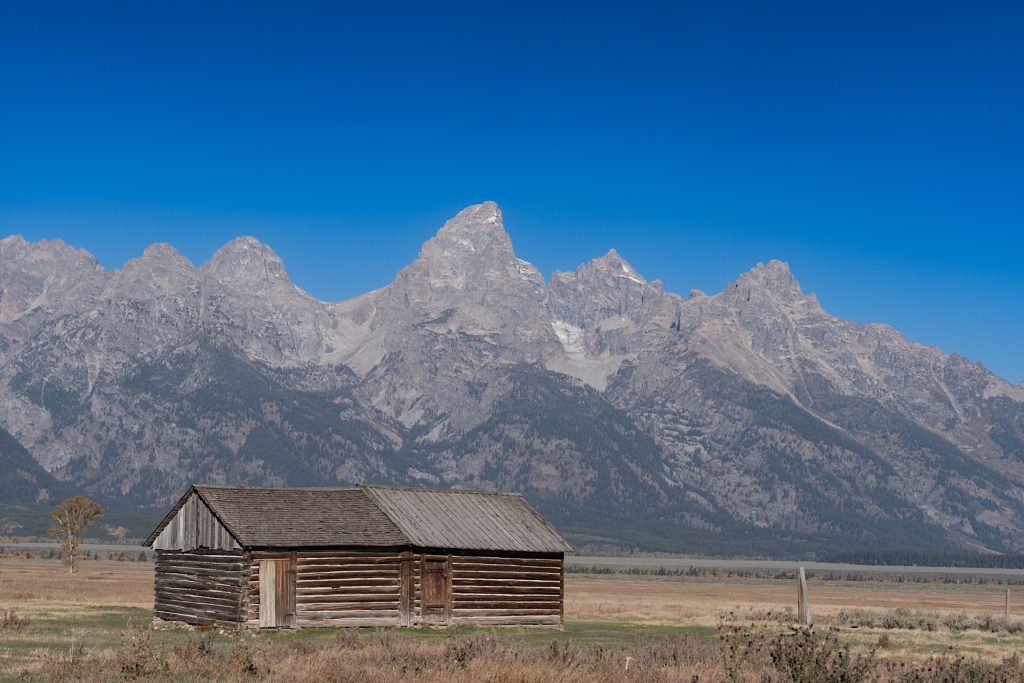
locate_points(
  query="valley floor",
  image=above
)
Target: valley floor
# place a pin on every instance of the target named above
(95, 625)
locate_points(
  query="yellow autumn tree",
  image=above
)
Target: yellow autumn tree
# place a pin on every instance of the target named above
(70, 520)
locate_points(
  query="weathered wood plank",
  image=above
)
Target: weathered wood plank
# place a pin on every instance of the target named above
(190, 609)
(508, 621)
(206, 576)
(310, 610)
(348, 583)
(506, 589)
(487, 603)
(462, 560)
(268, 584)
(325, 604)
(203, 596)
(509, 574)
(194, 526)
(383, 561)
(351, 597)
(505, 612)
(349, 590)
(226, 564)
(342, 572)
(346, 622)
(458, 581)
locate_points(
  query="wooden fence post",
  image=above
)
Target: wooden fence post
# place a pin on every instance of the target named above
(1006, 606)
(803, 606)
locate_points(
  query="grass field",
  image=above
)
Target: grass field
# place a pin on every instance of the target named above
(95, 625)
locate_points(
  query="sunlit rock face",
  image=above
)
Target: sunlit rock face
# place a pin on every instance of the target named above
(609, 401)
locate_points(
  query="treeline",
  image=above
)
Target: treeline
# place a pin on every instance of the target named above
(790, 575)
(56, 554)
(926, 559)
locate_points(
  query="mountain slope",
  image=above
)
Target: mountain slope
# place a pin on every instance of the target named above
(750, 419)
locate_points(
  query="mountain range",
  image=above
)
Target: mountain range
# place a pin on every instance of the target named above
(748, 421)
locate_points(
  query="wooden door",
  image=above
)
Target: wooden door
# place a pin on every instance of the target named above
(277, 593)
(436, 605)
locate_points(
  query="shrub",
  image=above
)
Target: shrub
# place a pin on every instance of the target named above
(9, 619)
(810, 658)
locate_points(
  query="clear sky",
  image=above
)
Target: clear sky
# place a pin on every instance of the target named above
(878, 147)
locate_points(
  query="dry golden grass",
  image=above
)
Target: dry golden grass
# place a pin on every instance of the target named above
(106, 600)
(672, 600)
(120, 583)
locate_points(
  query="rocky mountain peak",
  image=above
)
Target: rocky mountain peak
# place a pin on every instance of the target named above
(12, 241)
(45, 275)
(472, 252)
(766, 281)
(477, 229)
(161, 270)
(46, 250)
(161, 251)
(246, 262)
(613, 264)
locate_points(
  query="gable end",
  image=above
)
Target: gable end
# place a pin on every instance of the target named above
(191, 525)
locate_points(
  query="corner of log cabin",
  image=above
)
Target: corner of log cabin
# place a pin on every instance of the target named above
(200, 586)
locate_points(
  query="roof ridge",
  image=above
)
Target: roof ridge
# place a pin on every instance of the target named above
(437, 490)
(276, 488)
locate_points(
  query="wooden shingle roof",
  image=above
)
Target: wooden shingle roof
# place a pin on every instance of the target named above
(375, 516)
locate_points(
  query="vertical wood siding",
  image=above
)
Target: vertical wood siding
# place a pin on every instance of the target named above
(200, 587)
(195, 526)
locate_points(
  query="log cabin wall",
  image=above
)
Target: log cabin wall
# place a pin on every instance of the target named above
(337, 587)
(200, 586)
(369, 588)
(505, 589)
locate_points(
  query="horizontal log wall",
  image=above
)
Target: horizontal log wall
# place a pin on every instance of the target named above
(363, 588)
(200, 586)
(337, 588)
(503, 590)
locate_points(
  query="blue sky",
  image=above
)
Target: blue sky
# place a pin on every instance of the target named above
(877, 147)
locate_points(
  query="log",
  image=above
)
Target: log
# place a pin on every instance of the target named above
(507, 604)
(349, 622)
(505, 573)
(459, 580)
(504, 612)
(353, 598)
(347, 606)
(308, 612)
(486, 559)
(505, 589)
(508, 621)
(310, 582)
(349, 590)
(343, 571)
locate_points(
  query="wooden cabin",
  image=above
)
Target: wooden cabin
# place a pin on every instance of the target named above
(365, 556)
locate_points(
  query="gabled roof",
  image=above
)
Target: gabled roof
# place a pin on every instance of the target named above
(378, 516)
